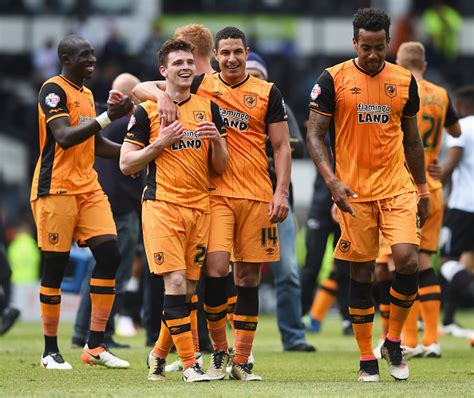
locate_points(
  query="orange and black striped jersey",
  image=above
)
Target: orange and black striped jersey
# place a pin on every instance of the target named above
(366, 134)
(247, 108)
(180, 173)
(436, 111)
(64, 171)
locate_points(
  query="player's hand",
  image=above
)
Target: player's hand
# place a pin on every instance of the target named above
(334, 213)
(169, 134)
(121, 108)
(423, 209)
(208, 130)
(168, 111)
(115, 97)
(340, 194)
(434, 170)
(278, 208)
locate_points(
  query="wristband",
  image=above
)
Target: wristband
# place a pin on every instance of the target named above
(103, 119)
(423, 190)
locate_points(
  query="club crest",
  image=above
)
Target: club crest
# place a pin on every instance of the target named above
(199, 116)
(250, 101)
(390, 90)
(53, 238)
(159, 258)
(344, 245)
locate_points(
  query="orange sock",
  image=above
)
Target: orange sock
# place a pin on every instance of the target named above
(362, 323)
(216, 323)
(178, 322)
(230, 310)
(192, 306)
(164, 343)
(410, 327)
(402, 294)
(384, 310)
(324, 299)
(245, 327)
(182, 336)
(430, 305)
(102, 299)
(50, 301)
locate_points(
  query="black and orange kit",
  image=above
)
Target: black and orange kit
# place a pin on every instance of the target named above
(65, 178)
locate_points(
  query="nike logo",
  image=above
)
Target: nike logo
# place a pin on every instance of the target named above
(44, 364)
(96, 357)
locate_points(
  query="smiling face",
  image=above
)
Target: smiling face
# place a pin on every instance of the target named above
(180, 69)
(231, 54)
(371, 48)
(80, 61)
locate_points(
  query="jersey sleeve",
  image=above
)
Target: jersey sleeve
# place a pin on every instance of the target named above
(323, 95)
(217, 119)
(196, 83)
(138, 130)
(276, 111)
(53, 101)
(413, 104)
(451, 114)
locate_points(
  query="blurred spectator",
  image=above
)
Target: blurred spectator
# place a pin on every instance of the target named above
(115, 47)
(45, 62)
(442, 24)
(23, 253)
(404, 30)
(148, 54)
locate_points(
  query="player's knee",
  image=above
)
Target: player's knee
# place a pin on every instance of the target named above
(53, 270)
(362, 272)
(407, 264)
(107, 258)
(175, 283)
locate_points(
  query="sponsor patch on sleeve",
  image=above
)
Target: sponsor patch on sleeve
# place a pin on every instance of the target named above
(132, 122)
(52, 100)
(315, 92)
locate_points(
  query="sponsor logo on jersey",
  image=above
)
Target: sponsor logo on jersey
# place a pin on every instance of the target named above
(390, 90)
(315, 92)
(191, 141)
(52, 100)
(373, 113)
(355, 90)
(235, 119)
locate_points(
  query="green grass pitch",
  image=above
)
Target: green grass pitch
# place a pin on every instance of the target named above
(332, 371)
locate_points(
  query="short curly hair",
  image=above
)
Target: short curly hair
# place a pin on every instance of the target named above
(370, 19)
(173, 45)
(230, 32)
(198, 35)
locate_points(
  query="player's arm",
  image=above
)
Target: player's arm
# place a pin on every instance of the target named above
(453, 157)
(322, 106)
(53, 101)
(413, 147)
(133, 157)
(451, 123)
(277, 125)
(215, 131)
(155, 91)
(106, 148)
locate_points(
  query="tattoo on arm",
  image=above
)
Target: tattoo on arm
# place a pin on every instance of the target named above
(318, 126)
(414, 152)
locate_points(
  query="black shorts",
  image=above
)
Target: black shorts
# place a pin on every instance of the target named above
(457, 234)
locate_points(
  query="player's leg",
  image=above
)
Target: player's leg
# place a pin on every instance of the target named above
(96, 228)
(383, 278)
(220, 246)
(429, 293)
(323, 300)
(359, 244)
(55, 232)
